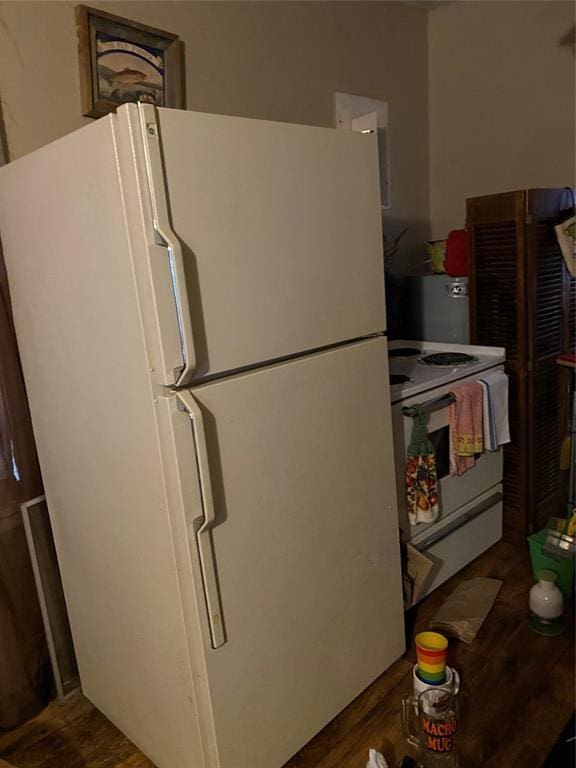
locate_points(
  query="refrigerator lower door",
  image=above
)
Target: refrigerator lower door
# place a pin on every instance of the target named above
(276, 226)
(296, 540)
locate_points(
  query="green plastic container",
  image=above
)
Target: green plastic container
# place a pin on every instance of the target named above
(562, 567)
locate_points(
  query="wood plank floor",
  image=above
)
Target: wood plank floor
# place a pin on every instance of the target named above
(518, 693)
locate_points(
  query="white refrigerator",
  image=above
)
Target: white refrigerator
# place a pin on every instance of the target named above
(199, 305)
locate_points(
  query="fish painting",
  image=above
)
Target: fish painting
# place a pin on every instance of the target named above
(124, 61)
(130, 75)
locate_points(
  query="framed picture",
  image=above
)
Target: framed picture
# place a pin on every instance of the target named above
(124, 61)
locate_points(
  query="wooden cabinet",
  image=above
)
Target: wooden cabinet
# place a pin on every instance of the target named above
(523, 298)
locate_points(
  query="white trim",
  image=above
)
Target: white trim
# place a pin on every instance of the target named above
(63, 688)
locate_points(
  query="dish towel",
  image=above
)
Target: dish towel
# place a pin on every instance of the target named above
(495, 409)
(466, 434)
(421, 477)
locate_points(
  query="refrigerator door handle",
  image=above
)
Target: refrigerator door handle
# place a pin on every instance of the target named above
(203, 526)
(163, 228)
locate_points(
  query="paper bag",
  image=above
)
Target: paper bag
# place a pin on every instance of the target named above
(418, 568)
(463, 613)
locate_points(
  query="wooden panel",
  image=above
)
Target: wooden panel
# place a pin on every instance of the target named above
(564, 409)
(490, 209)
(570, 290)
(522, 298)
(497, 271)
(495, 302)
(497, 278)
(514, 459)
(545, 435)
(572, 314)
(545, 383)
(547, 306)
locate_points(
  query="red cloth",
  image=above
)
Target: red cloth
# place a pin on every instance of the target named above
(568, 359)
(457, 253)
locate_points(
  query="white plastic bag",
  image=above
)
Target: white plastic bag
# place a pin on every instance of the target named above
(376, 760)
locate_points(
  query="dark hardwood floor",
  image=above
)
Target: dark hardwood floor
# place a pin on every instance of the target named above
(518, 693)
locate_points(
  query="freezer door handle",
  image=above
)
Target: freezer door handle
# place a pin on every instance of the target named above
(168, 238)
(203, 526)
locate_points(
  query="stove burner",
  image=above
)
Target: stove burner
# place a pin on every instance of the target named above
(403, 352)
(399, 378)
(448, 359)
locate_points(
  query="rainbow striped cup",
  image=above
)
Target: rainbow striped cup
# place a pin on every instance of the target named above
(431, 648)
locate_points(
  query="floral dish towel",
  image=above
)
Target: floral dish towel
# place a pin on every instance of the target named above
(421, 476)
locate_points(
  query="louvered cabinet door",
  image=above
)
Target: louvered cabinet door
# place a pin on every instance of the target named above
(566, 376)
(497, 318)
(551, 291)
(544, 433)
(497, 273)
(571, 290)
(522, 298)
(514, 472)
(548, 336)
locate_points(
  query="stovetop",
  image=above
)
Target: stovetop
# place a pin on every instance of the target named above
(427, 364)
(448, 359)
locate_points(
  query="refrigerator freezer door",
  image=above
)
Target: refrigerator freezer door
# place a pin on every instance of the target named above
(280, 232)
(305, 546)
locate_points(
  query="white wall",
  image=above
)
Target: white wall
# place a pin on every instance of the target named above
(485, 86)
(502, 102)
(279, 60)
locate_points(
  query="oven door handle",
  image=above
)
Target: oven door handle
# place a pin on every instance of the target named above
(430, 406)
(462, 520)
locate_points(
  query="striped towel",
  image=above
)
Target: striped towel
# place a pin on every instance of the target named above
(495, 409)
(466, 434)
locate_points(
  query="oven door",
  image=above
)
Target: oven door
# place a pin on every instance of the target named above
(455, 491)
(460, 538)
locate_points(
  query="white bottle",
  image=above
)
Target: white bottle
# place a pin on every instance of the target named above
(546, 604)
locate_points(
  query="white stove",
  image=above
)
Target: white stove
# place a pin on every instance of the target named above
(417, 366)
(470, 518)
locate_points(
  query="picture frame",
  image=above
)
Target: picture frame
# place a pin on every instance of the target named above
(123, 61)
